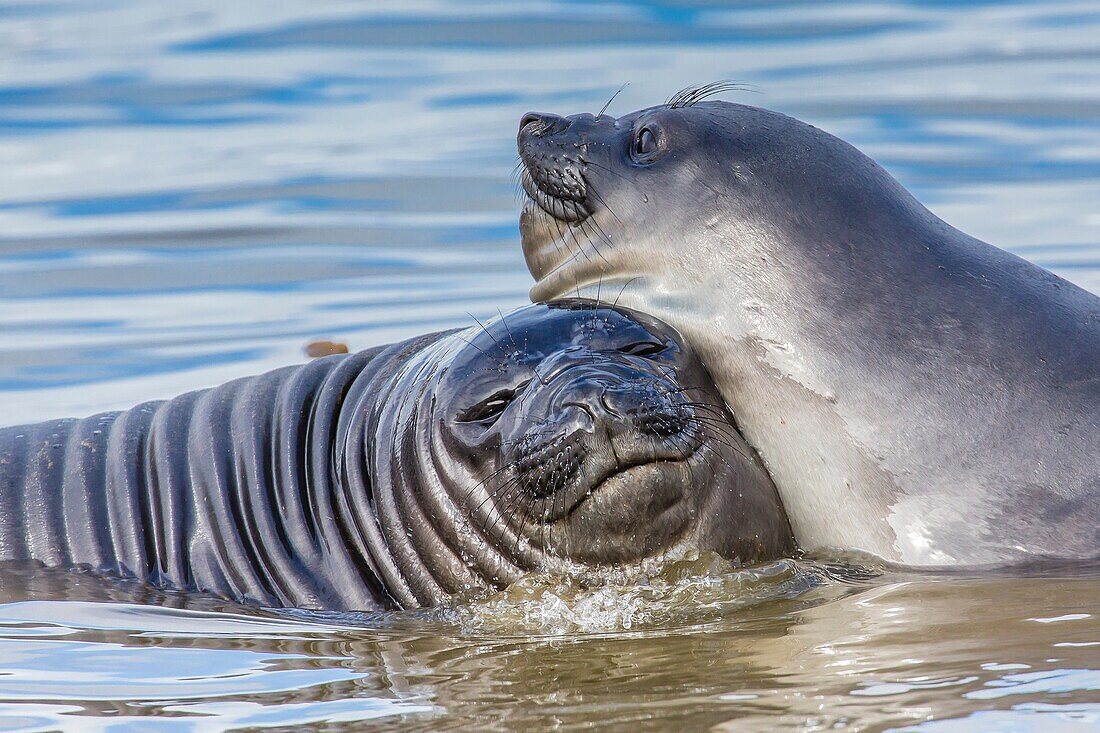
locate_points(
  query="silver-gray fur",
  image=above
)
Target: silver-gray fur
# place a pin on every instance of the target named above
(915, 392)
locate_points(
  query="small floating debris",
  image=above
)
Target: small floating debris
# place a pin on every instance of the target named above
(316, 349)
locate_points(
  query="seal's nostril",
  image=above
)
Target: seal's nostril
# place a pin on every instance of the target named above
(582, 406)
(528, 118)
(607, 406)
(542, 124)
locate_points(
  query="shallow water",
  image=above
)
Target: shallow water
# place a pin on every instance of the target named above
(194, 190)
(792, 645)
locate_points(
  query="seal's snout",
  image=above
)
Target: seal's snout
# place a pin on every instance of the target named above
(553, 166)
(650, 411)
(598, 425)
(548, 467)
(631, 409)
(542, 124)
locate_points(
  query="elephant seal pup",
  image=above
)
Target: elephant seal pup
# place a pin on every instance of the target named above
(915, 393)
(571, 437)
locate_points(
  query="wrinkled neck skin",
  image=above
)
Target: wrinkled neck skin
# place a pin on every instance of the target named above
(416, 513)
(893, 373)
(421, 541)
(258, 490)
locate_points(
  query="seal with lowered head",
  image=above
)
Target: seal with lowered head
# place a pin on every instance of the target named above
(914, 392)
(572, 438)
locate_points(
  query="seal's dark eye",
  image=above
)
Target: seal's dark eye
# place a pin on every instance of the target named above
(492, 407)
(646, 146)
(648, 143)
(643, 348)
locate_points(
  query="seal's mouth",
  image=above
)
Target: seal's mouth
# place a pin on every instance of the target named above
(635, 512)
(642, 482)
(568, 207)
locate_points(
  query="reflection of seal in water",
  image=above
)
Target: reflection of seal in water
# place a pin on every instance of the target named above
(567, 438)
(914, 392)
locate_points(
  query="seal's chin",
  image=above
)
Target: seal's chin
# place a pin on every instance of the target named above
(536, 227)
(549, 243)
(559, 254)
(634, 513)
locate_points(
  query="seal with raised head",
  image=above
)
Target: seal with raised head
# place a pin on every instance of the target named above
(915, 392)
(569, 438)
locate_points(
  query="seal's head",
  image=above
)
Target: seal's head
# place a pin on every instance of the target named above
(570, 437)
(641, 198)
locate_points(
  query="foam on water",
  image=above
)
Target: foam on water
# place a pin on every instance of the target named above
(692, 590)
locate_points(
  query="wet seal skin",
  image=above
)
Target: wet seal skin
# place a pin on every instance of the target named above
(571, 438)
(914, 392)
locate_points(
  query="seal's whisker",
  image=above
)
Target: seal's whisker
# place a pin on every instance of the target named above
(572, 229)
(596, 309)
(722, 427)
(613, 172)
(714, 410)
(558, 242)
(689, 447)
(716, 407)
(550, 525)
(719, 433)
(591, 239)
(611, 99)
(602, 200)
(622, 290)
(709, 450)
(577, 288)
(602, 233)
(488, 494)
(470, 343)
(666, 373)
(696, 93)
(525, 520)
(490, 335)
(502, 495)
(561, 238)
(512, 340)
(565, 263)
(510, 501)
(702, 443)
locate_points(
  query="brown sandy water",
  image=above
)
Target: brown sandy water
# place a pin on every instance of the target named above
(788, 646)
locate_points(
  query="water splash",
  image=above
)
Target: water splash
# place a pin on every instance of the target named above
(699, 588)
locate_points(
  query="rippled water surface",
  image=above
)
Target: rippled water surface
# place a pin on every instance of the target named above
(191, 191)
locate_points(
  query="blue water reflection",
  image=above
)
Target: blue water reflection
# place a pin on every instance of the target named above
(147, 148)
